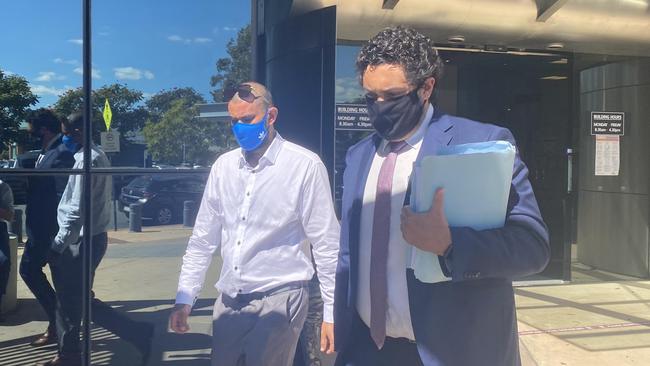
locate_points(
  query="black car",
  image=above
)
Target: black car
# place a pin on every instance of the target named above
(18, 183)
(162, 196)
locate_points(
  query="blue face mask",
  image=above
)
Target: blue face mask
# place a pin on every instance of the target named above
(69, 143)
(250, 136)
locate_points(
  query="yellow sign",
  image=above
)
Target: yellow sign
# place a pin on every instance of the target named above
(107, 115)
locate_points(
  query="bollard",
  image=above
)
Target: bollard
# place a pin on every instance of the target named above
(189, 213)
(17, 225)
(135, 217)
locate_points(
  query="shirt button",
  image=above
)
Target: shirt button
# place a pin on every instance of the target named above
(239, 290)
(239, 242)
(236, 268)
(248, 193)
(243, 218)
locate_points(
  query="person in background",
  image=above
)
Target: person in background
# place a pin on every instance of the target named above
(66, 253)
(309, 343)
(6, 215)
(43, 196)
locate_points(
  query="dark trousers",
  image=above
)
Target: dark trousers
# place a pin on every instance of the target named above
(308, 350)
(5, 258)
(363, 350)
(31, 270)
(67, 277)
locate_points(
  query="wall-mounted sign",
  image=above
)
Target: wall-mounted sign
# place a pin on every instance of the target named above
(352, 117)
(110, 141)
(608, 155)
(608, 123)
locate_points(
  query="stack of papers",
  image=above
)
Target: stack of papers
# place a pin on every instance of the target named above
(476, 178)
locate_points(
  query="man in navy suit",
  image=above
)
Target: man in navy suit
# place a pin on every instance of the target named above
(43, 195)
(383, 314)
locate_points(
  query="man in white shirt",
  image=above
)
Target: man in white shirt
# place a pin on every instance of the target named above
(262, 206)
(66, 255)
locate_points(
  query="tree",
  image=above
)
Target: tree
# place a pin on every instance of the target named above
(236, 68)
(180, 129)
(15, 100)
(129, 115)
(162, 101)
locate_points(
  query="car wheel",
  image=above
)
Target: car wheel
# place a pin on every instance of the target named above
(164, 216)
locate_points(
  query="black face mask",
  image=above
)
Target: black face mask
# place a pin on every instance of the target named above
(393, 119)
(35, 134)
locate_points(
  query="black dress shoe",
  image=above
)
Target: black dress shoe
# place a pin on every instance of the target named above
(73, 359)
(46, 338)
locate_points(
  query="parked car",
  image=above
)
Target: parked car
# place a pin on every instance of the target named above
(162, 196)
(18, 183)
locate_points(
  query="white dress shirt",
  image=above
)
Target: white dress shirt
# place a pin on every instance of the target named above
(263, 219)
(69, 213)
(398, 316)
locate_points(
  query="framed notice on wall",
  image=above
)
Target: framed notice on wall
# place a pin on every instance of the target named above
(608, 155)
(607, 127)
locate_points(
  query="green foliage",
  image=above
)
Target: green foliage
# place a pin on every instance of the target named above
(162, 101)
(129, 115)
(180, 126)
(16, 98)
(236, 68)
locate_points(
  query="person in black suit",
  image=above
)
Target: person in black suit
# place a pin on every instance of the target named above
(384, 314)
(43, 195)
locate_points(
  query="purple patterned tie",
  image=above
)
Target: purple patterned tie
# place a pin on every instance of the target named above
(379, 251)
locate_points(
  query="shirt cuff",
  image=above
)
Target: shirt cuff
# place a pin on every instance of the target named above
(328, 313)
(185, 298)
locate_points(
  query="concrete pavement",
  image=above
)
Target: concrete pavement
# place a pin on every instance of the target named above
(599, 319)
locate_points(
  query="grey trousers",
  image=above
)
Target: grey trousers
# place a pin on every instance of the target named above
(260, 332)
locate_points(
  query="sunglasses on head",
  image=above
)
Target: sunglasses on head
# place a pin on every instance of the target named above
(244, 91)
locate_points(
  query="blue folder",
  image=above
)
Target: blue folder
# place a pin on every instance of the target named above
(476, 178)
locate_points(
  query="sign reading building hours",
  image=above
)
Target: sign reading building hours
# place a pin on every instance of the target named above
(352, 117)
(608, 123)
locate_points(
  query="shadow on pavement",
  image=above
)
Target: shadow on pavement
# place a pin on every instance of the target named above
(167, 348)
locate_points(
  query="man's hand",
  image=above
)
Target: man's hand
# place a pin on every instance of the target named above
(327, 338)
(428, 231)
(178, 318)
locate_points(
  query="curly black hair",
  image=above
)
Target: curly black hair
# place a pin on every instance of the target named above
(403, 46)
(44, 117)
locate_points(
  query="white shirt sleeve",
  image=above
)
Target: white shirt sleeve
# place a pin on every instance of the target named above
(322, 229)
(69, 214)
(205, 240)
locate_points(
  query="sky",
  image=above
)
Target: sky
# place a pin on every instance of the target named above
(149, 45)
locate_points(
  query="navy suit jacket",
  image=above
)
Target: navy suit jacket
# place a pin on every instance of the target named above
(44, 194)
(471, 319)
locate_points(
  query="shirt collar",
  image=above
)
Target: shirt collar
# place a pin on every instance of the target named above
(414, 139)
(270, 155)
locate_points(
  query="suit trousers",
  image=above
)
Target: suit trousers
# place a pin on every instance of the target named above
(261, 331)
(32, 263)
(67, 278)
(363, 350)
(308, 349)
